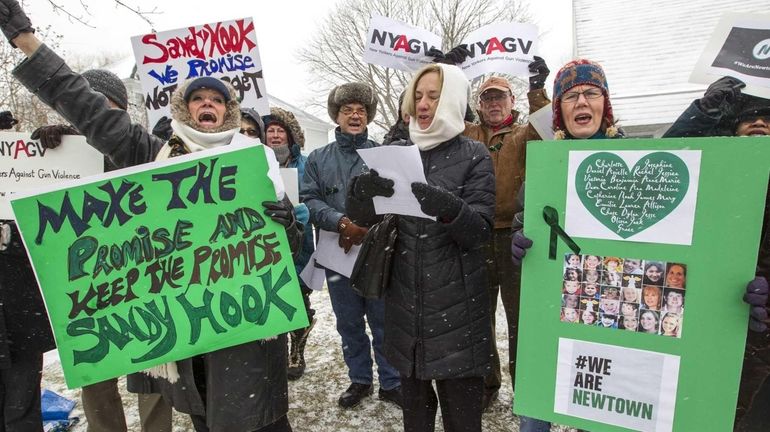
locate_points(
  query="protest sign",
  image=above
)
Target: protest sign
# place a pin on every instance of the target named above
(506, 48)
(603, 340)
(226, 50)
(25, 164)
(161, 262)
(394, 44)
(739, 47)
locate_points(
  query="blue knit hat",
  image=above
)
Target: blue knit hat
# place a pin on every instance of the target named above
(575, 73)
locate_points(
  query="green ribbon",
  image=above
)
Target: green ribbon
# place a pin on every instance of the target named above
(551, 217)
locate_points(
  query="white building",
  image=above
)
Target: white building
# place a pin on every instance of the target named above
(648, 50)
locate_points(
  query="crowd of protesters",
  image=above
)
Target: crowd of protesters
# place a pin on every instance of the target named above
(432, 333)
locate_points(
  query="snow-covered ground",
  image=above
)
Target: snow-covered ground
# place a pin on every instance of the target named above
(313, 398)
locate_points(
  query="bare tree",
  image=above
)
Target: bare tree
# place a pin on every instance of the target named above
(81, 14)
(334, 53)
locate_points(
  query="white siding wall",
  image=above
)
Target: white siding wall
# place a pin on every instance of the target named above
(648, 50)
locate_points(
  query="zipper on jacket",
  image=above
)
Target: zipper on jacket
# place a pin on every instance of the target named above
(419, 349)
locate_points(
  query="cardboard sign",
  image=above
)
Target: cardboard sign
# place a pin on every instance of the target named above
(603, 340)
(226, 50)
(500, 48)
(739, 47)
(161, 262)
(25, 164)
(394, 44)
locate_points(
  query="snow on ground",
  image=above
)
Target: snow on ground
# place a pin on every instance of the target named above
(313, 398)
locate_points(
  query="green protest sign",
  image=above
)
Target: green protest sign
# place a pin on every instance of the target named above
(161, 262)
(663, 227)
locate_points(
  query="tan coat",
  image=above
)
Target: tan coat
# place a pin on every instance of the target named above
(508, 147)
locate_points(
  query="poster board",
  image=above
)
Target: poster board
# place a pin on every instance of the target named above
(161, 262)
(688, 381)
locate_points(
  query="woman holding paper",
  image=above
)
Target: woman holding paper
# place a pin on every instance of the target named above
(437, 296)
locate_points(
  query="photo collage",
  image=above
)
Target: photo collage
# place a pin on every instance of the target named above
(644, 296)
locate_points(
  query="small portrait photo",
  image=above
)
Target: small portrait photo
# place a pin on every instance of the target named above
(573, 274)
(630, 294)
(649, 322)
(591, 276)
(629, 322)
(613, 264)
(670, 325)
(589, 303)
(590, 290)
(654, 271)
(570, 301)
(611, 292)
(569, 315)
(632, 280)
(676, 275)
(592, 262)
(673, 301)
(588, 317)
(651, 297)
(573, 261)
(629, 309)
(570, 287)
(611, 307)
(608, 321)
(632, 266)
(612, 278)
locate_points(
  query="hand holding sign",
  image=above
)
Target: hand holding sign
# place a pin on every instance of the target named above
(13, 20)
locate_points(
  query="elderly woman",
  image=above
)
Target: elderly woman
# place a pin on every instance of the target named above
(581, 110)
(437, 296)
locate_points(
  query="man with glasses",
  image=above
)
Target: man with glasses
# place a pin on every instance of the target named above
(328, 172)
(506, 141)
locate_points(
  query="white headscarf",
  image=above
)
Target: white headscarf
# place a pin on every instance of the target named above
(449, 120)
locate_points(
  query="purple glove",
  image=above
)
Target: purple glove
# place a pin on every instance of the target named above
(756, 296)
(519, 245)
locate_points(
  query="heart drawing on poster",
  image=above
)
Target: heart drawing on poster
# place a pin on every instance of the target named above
(628, 201)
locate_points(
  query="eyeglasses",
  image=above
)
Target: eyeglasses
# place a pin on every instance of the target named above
(573, 96)
(494, 97)
(350, 111)
(250, 132)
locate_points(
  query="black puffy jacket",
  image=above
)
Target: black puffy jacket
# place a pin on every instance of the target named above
(437, 322)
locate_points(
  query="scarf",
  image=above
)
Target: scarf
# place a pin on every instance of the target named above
(448, 120)
(197, 140)
(282, 153)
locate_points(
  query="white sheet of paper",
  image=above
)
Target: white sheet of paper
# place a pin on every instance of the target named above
(506, 48)
(313, 276)
(542, 121)
(329, 254)
(291, 183)
(403, 165)
(739, 47)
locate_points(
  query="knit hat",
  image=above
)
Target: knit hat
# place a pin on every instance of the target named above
(108, 84)
(253, 116)
(208, 83)
(575, 73)
(355, 92)
(750, 107)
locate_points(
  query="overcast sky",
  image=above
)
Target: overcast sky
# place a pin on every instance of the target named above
(282, 27)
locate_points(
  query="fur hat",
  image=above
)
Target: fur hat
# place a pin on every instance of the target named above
(180, 113)
(252, 115)
(575, 73)
(355, 92)
(108, 84)
(288, 122)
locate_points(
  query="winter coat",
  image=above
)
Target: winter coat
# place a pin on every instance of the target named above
(399, 131)
(328, 171)
(25, 331)
(508, 147)
(109, 130)
(437, 321)
(695, 123)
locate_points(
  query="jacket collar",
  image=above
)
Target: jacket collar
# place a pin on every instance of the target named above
(350, 142)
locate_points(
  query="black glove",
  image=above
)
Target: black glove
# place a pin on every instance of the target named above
(725, 90)
(50, 136)
(538, 66)
(457, 55)
(279, 212)
(13, 20)
(6, 120)
(163, 129)
(369, 185)
(519, 245)
(438, 202)
(756, 296)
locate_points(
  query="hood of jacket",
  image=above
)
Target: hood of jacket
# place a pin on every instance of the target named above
(180, 113)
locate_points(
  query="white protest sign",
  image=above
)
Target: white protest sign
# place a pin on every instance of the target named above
(291, 182)
(617, 385)
(394, 44)
(27, 165)
(542, 121)
(226, 50)
(506, 48)
(739, 47)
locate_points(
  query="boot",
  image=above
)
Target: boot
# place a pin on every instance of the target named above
(297, 352)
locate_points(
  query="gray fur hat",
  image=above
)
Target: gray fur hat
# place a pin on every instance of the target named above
(108, 84)
(355, 92)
